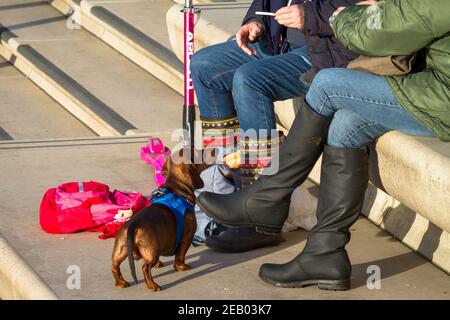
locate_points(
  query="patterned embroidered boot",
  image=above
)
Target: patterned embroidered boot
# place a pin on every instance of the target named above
(221, 133)
(217, 133)
(256, 155)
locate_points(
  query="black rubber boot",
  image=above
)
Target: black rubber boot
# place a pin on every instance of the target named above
(265, 204)
(241, 239)
(324, 261)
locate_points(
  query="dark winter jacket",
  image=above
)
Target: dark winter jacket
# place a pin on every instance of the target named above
(324, 49)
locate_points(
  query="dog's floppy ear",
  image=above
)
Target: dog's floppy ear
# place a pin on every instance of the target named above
(182, 155)
(209, 156)
(166, 168)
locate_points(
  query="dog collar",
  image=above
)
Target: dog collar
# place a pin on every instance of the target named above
(162, 191)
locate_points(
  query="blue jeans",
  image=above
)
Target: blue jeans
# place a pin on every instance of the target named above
(227, 82)
(362, 106)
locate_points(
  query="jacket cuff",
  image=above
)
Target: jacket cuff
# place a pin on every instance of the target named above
(316, 22)
(252, 17)
(309, 23)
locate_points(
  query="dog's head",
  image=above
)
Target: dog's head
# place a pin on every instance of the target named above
(186, 164)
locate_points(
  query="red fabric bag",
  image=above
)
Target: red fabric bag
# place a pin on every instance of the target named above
(86, 206)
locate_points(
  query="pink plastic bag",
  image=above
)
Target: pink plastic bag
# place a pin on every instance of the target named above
(155, 154)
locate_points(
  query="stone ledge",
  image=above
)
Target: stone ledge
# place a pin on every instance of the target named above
(17, 280)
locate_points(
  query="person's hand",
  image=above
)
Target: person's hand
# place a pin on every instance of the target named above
(248, 33)
(291, 16)
(367, 3)
(335, 14)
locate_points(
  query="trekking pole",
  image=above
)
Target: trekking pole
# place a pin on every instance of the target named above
(189, 104)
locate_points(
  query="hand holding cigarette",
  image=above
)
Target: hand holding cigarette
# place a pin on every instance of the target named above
(291, 16)
(263, 13)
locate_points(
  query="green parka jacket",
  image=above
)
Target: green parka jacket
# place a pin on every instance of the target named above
(401, 27)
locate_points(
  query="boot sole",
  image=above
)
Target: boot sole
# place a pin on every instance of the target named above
(233, 248)
(261, 229)
(333, 285)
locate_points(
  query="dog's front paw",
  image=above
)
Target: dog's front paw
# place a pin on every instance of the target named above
(181, 266)
(154, 287)
(160, 264)
(122, 284)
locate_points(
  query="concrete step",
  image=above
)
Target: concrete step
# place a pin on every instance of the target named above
(118, 92)
(130, 40)
(115, 161)
(26, 112)
(148, 17)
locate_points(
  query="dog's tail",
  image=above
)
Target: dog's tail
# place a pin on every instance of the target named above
(130, 249)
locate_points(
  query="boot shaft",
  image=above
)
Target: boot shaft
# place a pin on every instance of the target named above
(221, 133)
(299, 153)
(256, 156)
(343, 182)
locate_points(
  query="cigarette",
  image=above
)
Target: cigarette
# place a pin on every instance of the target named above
(289, 3)
(265, 13)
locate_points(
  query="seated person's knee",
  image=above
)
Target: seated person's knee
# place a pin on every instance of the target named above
(200, 62)
(343, 129)
(242, 78)
(318, 91)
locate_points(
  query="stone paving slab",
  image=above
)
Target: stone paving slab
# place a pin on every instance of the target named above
(29, 168)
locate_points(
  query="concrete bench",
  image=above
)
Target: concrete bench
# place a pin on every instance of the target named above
(409, 194)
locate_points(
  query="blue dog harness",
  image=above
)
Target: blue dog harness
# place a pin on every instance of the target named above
(178, 205)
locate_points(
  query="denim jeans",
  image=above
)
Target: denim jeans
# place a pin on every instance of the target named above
(227, 82)
(362, 106)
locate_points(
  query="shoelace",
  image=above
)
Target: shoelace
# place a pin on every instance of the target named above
(211, 227)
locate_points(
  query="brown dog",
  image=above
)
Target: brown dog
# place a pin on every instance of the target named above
(151, 233)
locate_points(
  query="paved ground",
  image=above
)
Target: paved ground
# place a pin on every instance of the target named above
(28, 169)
